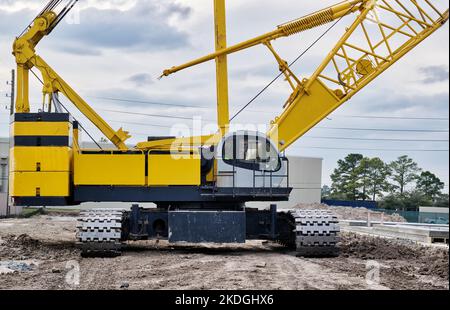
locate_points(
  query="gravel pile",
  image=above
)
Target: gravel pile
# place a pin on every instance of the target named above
(348, 213)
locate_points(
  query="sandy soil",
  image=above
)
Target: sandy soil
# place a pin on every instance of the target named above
(45, 245)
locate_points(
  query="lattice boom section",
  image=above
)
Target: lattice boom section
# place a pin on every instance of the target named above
(384, 32)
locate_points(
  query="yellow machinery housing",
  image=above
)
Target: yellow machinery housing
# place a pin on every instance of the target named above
(41, 156)
(115, 168)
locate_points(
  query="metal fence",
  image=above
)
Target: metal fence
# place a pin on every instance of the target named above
(410, 216)
(434, 218)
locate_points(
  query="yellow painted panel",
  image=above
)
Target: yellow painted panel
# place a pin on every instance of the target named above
(47, 184)
(109, 169)
(45, 159)
(165, 170)
(40, 129)
(303, 114)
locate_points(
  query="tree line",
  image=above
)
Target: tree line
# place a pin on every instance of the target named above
(400, 184)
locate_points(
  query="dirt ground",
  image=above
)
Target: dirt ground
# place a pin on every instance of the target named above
(39, 253)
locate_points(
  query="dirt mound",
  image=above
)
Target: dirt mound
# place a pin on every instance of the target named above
(23, 247)
(437, 267)
(67, 213)
(425, 260)
(348, 213)
(22, 240)
(366, 247)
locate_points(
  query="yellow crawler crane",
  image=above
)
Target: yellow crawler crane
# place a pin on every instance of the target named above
(201, 184)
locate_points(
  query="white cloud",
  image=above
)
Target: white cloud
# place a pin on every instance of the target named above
(18, 5)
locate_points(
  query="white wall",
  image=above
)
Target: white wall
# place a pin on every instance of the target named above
(434, 210)
(4, 154)
(3, 205)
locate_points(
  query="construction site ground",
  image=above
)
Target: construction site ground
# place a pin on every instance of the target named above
(39, 253)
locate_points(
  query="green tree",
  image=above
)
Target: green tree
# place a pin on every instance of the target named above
(364, 174)
(409, 201)
(404, 171)
(346, 178)
(326, 192)
(378, 174)
(430, 185)
(442, 201)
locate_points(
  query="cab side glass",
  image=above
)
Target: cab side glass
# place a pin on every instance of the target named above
(251, 152)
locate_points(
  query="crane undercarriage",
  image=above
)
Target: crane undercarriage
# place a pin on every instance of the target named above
(102, 232)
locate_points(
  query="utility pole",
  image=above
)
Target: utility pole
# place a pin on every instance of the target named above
(12, 96)
(13, 90)
(12, 83)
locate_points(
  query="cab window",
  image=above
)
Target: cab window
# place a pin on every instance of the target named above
(251, 152)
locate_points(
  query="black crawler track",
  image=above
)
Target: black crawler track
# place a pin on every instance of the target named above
(100, 233)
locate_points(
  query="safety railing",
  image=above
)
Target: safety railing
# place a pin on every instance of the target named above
(256, 189)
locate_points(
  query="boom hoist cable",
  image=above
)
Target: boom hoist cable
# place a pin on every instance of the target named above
(50, 7)
(63, 14)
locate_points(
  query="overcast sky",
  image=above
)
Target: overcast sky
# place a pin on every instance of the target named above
(118, 48)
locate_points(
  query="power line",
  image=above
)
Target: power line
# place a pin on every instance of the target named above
(364, 149)
(264, 111)
(311, 137)
(326, 128)
(164, 103)
(366, 116)
(149, 102)
(140, 124)
(334, 128)
(331, 128)
(375, 139)
(392, 117)
(384, 129)
(151, 115)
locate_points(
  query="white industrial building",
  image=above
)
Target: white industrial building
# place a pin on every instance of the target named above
(305, 178)
(4, 155)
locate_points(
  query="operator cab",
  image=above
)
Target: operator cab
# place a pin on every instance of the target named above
(249, 159)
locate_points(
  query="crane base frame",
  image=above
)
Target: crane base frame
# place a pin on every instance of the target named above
(200, 225)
